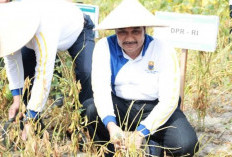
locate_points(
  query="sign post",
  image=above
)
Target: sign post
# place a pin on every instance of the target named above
(183, 68)
(187, 31)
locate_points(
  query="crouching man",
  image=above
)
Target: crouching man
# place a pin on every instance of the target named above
(136, 80)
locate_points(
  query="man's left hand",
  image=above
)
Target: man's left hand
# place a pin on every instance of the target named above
(136, 138)
(117, 136)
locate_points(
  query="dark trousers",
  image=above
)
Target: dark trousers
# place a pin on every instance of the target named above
(180, 136)
(82, 48)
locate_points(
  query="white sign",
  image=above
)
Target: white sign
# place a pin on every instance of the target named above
(187, 31)
(92, 11)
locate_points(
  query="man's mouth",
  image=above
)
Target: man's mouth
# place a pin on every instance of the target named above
(130, 43)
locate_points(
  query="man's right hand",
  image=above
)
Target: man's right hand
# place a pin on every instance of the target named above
(117, 136)
(14, 108)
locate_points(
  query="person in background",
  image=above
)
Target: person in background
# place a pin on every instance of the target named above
(136, 81)
(30, 43)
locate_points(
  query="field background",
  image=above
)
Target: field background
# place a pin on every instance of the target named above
(208, 92)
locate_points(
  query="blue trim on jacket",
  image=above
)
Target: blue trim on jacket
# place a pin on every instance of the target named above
(148, 40)
(143, 129)
(117, 59)
(32, 114)
(108, 119)
(15, 92)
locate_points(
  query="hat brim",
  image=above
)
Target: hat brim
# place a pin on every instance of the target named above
(19, 22)
(129, 13)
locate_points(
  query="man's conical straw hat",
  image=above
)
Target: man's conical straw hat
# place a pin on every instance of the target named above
(129, 13)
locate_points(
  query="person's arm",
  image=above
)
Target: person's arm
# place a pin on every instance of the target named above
(101, 83)
(15, 72)
(169, 84)
(15, 75)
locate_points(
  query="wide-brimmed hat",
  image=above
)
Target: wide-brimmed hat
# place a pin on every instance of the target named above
(18, 24)
(129, 13)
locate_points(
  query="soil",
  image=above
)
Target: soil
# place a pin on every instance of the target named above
(215, 136)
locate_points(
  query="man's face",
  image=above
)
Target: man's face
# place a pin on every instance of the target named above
(131, 39)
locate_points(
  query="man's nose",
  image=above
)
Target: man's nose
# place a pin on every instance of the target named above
(130, 37)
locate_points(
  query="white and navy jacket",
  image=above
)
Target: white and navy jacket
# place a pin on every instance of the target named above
(154, 74)
(60, 25)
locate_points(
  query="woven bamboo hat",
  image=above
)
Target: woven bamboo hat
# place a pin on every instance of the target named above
(18, 24)
(129, 13)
